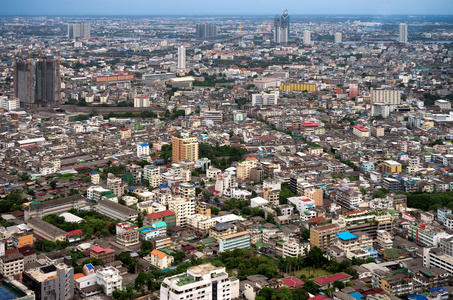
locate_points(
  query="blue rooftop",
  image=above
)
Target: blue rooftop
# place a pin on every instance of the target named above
(144, 145)
(346, 235)
(94, 172)
(160, 224)
(356, 295)
(89, 266)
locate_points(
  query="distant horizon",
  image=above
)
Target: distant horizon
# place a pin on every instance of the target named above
(221, 15)
(224, 8)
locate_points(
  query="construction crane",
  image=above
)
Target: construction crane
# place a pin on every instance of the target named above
(240, 29)
(59, 79)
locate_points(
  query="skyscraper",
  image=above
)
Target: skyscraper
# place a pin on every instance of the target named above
(307, 37)
(206, 31)
(403, 33)
(78, 31)
(184, 149)
(338, 38)
(36, 82)
(280, 31)
(181, 58)
(285, 19)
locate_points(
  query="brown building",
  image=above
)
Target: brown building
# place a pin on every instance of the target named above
(324, 236)
(257, 174)
(105, 255)
(184, 149)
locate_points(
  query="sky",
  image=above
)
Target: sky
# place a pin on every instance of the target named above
(225, 7)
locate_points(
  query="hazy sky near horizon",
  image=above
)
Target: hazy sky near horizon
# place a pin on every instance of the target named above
(225, 7)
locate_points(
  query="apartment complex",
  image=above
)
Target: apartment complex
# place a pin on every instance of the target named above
(244, 167)
(183, 208)
(324, 236)
(11, 264)
(184, 149)
(205, 281)
(110, 278)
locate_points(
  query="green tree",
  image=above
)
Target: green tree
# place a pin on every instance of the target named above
(311, 287)
(53, 184)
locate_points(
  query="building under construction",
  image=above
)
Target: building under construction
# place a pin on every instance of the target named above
(36, 82)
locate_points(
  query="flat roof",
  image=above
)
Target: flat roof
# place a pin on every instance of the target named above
(346, 235)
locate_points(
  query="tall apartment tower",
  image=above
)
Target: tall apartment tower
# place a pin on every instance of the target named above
(184, 149)
(206, 31)
(338, 38)
(78, 31)
(402, 38)
(280, 31)
(307, 37)
(36, 83)
(181, 58)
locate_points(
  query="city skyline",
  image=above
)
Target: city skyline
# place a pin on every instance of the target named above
(234, 7)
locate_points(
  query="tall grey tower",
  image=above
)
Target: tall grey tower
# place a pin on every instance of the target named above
(285, 18)
(280, 31)
(181, 58)
(78, 31)
(402, 38)
(36, 83)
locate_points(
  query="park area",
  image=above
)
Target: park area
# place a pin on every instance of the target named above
(310, 272)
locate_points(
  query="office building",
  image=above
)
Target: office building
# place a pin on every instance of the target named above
(110, 278)
(392, 97)
(36, 83)
(285, 18)
(338, 37)
(402, 38)
(211, 282)
(280, 31)
(13, 103)
(78, 31)
(239, 240)
(391, 166)
(264, 99)
(51, 282)
(184, 149)
(181, 59)
(307, 37)
(360, 131)
(206, 31)
(141, 101)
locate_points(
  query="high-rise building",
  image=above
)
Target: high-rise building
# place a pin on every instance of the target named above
(392, 97)
(36, 82)
(206, 31)
(307, 37)
(181, 58)
(285, 18)
(402, 38)
(338, 37)
(353, 91)
(78, 31)
(184, 149)
(280, 31)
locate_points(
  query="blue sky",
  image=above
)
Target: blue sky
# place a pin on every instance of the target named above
(224, 7)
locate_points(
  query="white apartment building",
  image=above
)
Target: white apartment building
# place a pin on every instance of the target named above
(11, 264)
(264, 99)
(293, 248)
(183, 208)
(201, 222)
(203, 282)
(9, 104)
(95, 193)
(392, 97)
(142, 149)
(141, 101)
(110, 278)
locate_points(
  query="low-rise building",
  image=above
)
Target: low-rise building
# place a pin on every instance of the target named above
(159, 259)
